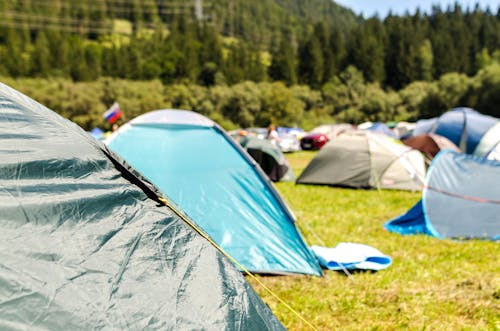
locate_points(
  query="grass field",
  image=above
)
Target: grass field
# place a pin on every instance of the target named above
(432, 284)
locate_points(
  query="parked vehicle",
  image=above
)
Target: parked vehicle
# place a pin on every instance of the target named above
(313, 141)
(320, 135)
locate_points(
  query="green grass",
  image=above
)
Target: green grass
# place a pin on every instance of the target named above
(432, 284)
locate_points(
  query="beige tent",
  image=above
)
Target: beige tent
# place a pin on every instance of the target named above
(366, 160)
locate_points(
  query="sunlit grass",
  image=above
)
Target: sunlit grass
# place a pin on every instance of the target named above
(432, 284)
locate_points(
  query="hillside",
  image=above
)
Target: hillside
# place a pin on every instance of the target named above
(258, 22)
(251, 62)
(263, 21)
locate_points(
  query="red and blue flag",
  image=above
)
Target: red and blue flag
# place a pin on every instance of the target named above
(113, 113)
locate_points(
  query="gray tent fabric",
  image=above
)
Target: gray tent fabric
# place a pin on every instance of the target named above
(269, 157)
(366, 160)
(340, 166)
(85, 243)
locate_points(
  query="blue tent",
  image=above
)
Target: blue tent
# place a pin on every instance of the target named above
(380, 127)
(463, 126)
(209, 176)
(458, 201)
(489, 146)
(424, 126)
(97, 133)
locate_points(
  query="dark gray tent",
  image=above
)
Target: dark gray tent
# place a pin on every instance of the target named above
(86, 244)
(366, 160)
(269, 157)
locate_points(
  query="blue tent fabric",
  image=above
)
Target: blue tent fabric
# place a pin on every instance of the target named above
(463, 126)
(411, 222)
(97, 133)
(382, 128)
(424, 126)
(459, 200)
(219, 186)
(351, 256)
(489, 146)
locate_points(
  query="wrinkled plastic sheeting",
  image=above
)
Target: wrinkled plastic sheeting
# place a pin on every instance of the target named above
(206, 176)
(82, 248)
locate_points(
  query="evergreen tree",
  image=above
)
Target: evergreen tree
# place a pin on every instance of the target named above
(93, 60)
(394, 67)
(338, 47)
(367, 50)
(311, 65)
(40, 56)
(14, 61)
(322, 34)
(78, 67)
(425, 61)
(234, 66)
(283, 66)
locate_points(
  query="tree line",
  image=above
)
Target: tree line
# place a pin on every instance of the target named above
(394, 51)
(347, 98)
(306, 63)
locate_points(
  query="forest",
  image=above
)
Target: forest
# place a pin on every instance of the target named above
(247, 63)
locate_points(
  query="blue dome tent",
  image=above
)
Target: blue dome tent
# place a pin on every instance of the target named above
(212, 179)
(382, 128)
(463, 126)
(458, 200)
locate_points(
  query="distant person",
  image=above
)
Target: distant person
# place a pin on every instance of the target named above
(242, 137)
(272, 134)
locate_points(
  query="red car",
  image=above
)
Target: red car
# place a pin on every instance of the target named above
(320, 135)
(313, 141)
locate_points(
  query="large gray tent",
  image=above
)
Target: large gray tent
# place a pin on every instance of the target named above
(363, 159)
(87, 244)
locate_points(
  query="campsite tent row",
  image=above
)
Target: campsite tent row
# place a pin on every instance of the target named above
(458, 200)
(87, 243)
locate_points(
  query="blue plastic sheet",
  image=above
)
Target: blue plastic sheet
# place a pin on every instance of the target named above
(351, 256)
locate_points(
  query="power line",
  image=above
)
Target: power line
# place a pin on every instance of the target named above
(19, 19)
(27, 18)
(30, 21)
(51, 26)
(119, 6)
(162, 8)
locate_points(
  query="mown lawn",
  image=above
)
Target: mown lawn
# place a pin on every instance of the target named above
(432, 284)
